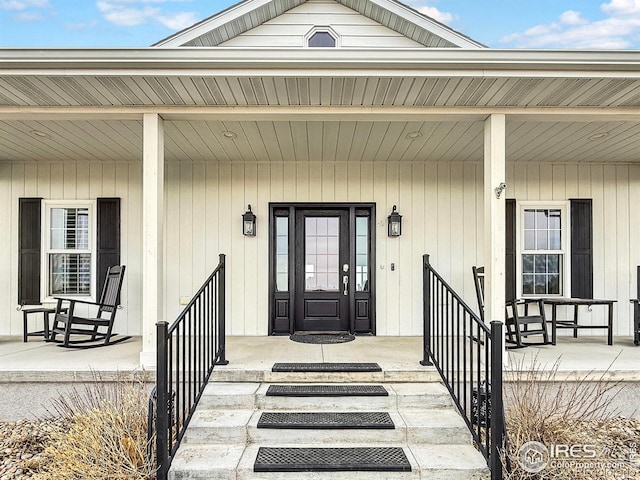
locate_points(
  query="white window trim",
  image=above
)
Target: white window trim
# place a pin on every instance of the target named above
(564, 207)
(326, 29)
(47, 205)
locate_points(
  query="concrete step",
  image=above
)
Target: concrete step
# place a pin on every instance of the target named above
(233, 373)
(223, 438)
(237, 426)
(234, 462)
(253, 395)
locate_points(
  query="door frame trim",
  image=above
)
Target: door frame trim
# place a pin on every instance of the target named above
(292, 207)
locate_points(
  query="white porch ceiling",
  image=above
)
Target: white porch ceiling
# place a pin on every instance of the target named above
(398, 91)
(293, 105)
(354, 141)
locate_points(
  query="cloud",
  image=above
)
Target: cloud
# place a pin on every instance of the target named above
(21, 5)
(621, 7)
(433, 12)
(426, 7)
(126, 17)
(131, 13)
(571, 17)
(619, 29)
(178, 21)
(28, 16)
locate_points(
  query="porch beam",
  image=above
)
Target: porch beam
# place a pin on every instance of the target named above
(494, 216)
(321, 113)
(152, 234)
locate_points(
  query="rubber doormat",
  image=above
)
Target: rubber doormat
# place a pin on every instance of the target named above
(352, 459)
(320, 338)
(326, 367)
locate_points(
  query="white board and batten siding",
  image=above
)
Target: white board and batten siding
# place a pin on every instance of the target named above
(615, 191)
(71, 181)
(290, 28)
(441, 204)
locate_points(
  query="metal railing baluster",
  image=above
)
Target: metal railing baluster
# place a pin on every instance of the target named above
(468, 356)
(187, 351)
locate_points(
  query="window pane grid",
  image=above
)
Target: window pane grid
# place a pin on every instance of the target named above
(541, 274)
(362, 254)
(542, 229)
(321, 253)
(542, 255)
(70, 228)
(69, 251)
(70, 274)
(282, 254)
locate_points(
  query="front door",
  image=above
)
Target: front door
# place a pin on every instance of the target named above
(322, 270)
(321, 278)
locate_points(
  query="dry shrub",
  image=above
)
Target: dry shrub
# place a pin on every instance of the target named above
(108, 434)
(576, 412)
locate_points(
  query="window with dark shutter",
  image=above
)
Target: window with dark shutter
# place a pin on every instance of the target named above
(108, 238)
(510, 249)
(580, 231)
(29, 250)
(581, 248)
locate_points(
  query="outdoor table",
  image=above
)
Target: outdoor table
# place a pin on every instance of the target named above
(574, 324)
(46, 311)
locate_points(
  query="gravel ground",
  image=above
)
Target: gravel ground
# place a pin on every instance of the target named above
(22, 444)
(26, 423)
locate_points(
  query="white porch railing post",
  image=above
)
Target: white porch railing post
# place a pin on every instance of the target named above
(152, 233)
(495, 189)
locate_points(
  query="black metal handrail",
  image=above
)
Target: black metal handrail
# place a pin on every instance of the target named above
(468, 356)
(188, 349)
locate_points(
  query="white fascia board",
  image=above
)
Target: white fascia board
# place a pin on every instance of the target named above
(426, 23)
(205, 26)
(320, 62)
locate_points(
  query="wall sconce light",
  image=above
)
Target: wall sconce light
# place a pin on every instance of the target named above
(249, 223)
(394, 223)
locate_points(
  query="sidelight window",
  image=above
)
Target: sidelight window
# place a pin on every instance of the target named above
(282, 254)
(362, 254)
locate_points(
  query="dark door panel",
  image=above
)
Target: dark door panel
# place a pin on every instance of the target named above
(322, 249)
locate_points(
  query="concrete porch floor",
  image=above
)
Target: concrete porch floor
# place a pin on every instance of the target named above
(37, 369)
(40, 361)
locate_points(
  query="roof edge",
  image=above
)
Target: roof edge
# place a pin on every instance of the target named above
(119, 61)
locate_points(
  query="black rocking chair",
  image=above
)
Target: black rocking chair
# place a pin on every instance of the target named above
(98, 328)
(517, 315)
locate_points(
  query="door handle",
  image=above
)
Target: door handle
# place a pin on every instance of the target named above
(345, 283)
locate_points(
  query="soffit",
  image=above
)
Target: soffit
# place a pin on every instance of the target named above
(405, 91)
(318, 141)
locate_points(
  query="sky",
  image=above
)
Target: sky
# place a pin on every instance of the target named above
(537, 24)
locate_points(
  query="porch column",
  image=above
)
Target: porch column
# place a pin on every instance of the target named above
(152, 234)
(494, 217)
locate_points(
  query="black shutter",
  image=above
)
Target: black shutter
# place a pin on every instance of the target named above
(510, 249)
(108, 239)
(29, 250)
(581, 248)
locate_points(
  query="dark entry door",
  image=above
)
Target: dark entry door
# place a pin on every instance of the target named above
(322, 270)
